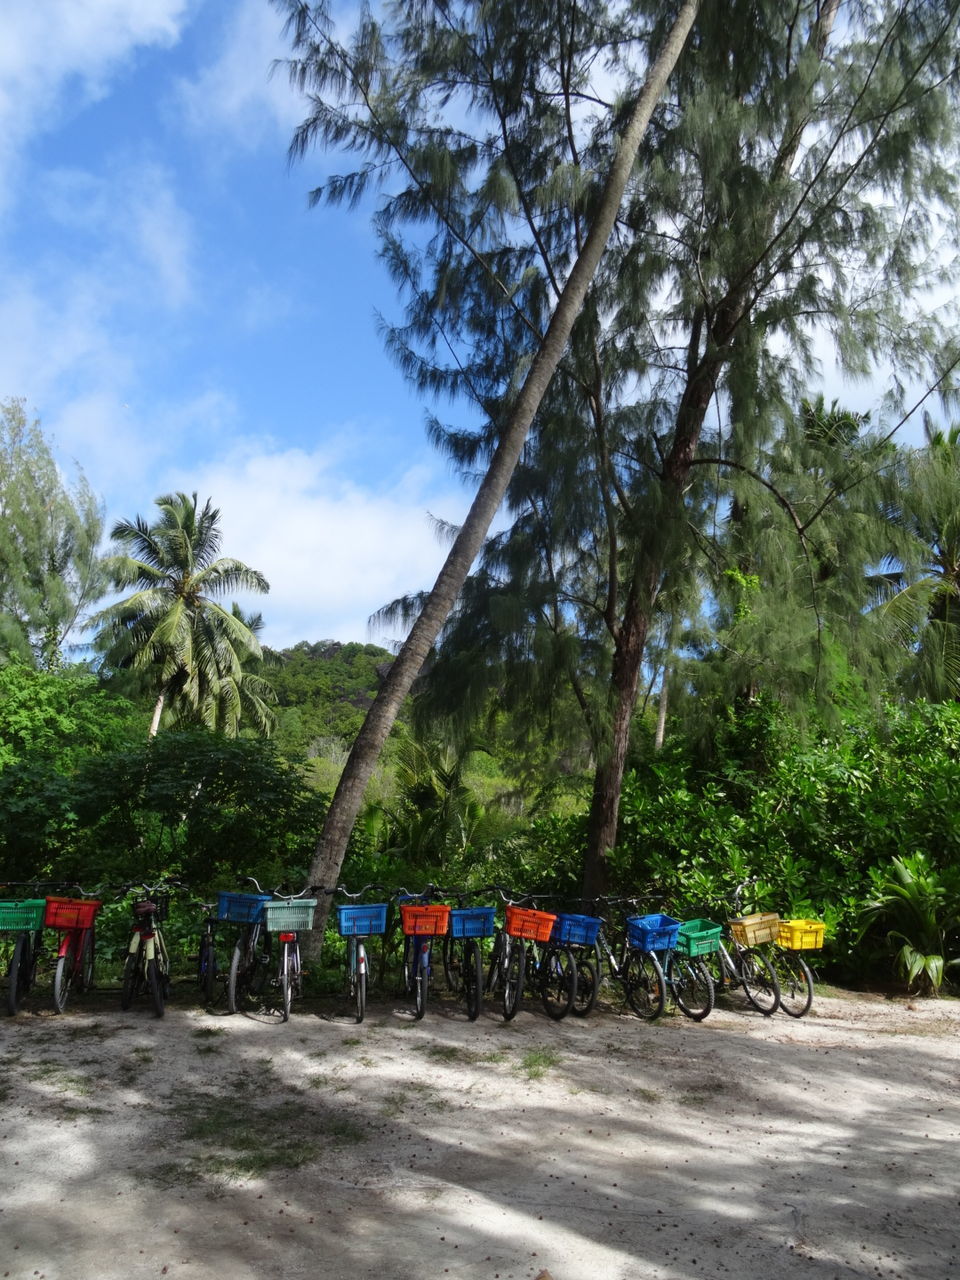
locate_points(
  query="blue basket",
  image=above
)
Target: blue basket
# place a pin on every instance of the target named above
(472, 922)
(242, 908)
(362, 920)
(652, 933)
(576, 931)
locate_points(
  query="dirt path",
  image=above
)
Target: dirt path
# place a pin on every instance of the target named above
(210, 1146)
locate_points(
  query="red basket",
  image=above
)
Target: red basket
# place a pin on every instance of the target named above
(534, 926)
(424, 922)
(70, 913)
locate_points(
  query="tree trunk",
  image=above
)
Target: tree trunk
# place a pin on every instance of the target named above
(157, 713)
(345, 806)
(661, 711)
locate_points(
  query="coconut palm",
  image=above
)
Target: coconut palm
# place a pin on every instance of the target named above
(196, 653)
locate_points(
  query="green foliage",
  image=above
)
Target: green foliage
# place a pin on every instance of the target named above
(920, 907)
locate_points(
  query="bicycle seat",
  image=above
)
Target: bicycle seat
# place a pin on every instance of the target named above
(144, 908)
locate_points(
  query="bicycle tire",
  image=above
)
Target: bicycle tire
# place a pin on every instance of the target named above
(691, 986)
(63, 975)
(644, 985)
(155, 986)
(452, 969)
(235, 978)
(360, 981)
(286, 982)
(472, 977)
(795, 981)
(493, 968)
(513, 971)
(759, 982)
(131, 978)
(207, 968)
(17, 972)
(86, 963)
(558, 982)
(585, 996)
(421, 982)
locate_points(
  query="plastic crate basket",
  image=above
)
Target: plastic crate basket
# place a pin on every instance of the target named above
(363, 919)
(801, 935)
(281, 916)
(421, 921)
(472, 922)
(751, 931)
(70, 913)
(652, 933)
(576, 931)
(698, 937)
(242, 908)
(26, 914)
(533, 926)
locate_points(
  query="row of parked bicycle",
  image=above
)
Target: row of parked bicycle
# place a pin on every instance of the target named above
(558, 957)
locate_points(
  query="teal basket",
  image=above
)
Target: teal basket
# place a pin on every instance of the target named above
(362, 920)
(576, 931)
(242, 908)
(652, 933)
(26, 914)
(281, 916)
(698, 937)
(472, 922)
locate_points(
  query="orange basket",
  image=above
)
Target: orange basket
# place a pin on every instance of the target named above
(70, 913)
(424, 922)
(534, 926)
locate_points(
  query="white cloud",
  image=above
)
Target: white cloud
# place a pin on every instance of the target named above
(58, 56)
(236, 94)
(333, 552)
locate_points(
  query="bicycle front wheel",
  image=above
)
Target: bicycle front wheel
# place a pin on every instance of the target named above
(131, 978)
(207, 969)
(421, 982)
(155, 986)
(586, 994)
(358, 970)
(513, 970)
(558, 983)
(18, 972)
(286, 980)
(691, 985)
(795, 981)
(759, 982)
(63, 975)
(472, 977)
(644, 985)
(236, 979)
(86, 962)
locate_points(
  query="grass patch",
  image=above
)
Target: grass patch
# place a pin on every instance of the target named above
(59, 1078)
(535, 1063)
(208, 1033)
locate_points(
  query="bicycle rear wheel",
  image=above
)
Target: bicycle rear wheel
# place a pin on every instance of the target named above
(358, 973)
(286, 980)
(795, 981)
(691, 986)
(472, 977)
(155, 985)
(207, 968)
(132, 977)
(759, 981)
(558, 982)
(85, 975)
(421, 979)
(644, 984)
(18, 972)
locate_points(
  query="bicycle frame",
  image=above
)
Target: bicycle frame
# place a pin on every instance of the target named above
(147, 965)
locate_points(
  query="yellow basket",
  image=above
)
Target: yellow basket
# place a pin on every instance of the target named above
(750, 931)
(801, 935)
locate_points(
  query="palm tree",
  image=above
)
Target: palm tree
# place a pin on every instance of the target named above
(198, 654)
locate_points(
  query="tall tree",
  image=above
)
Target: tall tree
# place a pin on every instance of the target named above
(195, 653)
(793, 186)
(51, 569)
(403, 81)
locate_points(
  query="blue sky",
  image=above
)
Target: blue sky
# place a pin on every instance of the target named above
(178, 318)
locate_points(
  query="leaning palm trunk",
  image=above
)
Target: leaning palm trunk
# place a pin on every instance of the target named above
(343, 811)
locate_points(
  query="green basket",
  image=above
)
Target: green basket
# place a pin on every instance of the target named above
(698, 937)
(26, 914)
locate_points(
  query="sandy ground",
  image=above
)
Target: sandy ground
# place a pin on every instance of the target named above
(205, 1145)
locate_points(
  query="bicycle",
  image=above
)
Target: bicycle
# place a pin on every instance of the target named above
(74, 919)
(356, 922)
(21, 942)
(147, 966)
(579, 934)
(686, 976)
(250, 958)
(421, 922)
(284, 917)
(793, 973)
(462, 952)
(738, 960)
(520, 961)
(208, 971)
